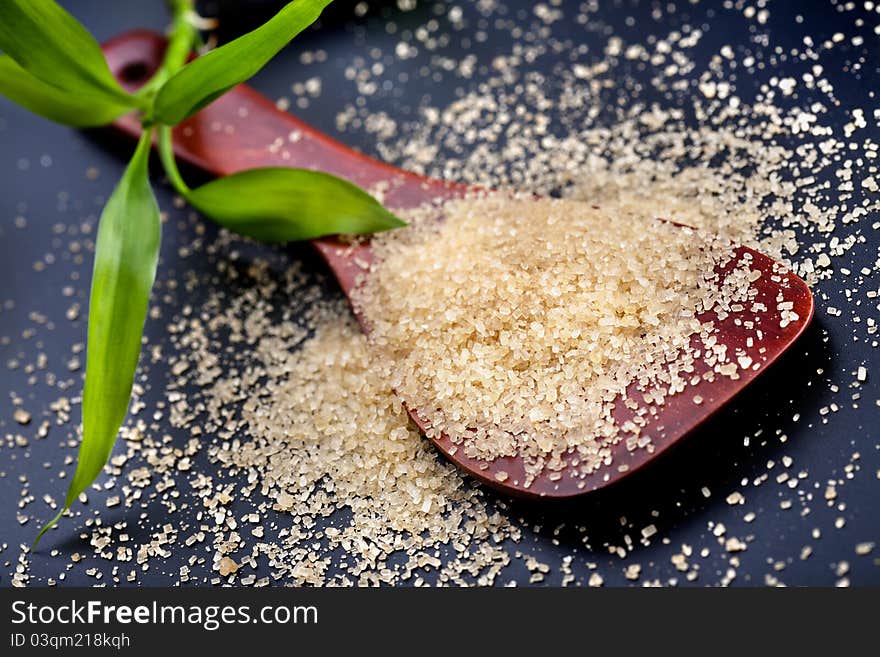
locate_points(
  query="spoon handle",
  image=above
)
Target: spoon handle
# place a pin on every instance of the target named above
(243, 130)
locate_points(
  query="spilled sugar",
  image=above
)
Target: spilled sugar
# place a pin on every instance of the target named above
(516, 326)
(323, 436)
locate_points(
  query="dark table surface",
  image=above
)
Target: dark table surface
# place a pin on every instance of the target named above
(44, 191)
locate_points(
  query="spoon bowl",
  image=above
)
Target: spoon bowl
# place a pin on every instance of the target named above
(243, 130)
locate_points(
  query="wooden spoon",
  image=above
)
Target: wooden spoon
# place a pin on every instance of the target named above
(243, 130)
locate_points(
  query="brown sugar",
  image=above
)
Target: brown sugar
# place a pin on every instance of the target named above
(515, 325)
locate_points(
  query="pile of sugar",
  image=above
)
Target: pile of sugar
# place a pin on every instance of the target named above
(516, 326)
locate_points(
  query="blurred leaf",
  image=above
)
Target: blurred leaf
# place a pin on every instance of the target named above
(207, 78)
(76, 109)
(54, 47)
(284, 205)
(126, 253)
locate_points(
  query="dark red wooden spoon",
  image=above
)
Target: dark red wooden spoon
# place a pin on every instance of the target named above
(243, 130)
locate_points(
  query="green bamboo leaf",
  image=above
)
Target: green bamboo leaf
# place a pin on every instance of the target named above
(207, 78)
(126, 253)
(284, 205)
(75, 109)
(54, 47)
